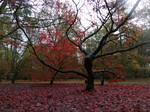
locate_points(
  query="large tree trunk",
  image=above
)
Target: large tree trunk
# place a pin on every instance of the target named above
(88, 66)
(90, 84)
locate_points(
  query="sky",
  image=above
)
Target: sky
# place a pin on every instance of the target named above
(85, 9)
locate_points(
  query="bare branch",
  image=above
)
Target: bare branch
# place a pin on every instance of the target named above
(70, 27)
(3, 36)
(127, 17)
(34, 51)
(121, 50)
(104, 39)
(106, 71)
(3, 5)
(111, 15)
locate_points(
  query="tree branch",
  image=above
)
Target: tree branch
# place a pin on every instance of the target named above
(34, 51)
(107, 71)
(3, 36)
(70, 27)
(104, 39)
(121, 50)
(3, 6)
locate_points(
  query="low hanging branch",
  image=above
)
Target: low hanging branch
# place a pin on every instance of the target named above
(106, 71)
(34, 51)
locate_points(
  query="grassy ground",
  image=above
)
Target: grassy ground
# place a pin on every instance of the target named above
(135, 81)
(129, 81)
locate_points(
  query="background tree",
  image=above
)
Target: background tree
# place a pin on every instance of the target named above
(58, 52)
(145, 53)
(142, 15)
(14, 46)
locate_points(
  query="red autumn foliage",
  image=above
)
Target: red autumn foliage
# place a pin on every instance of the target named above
(69, 17)
(58, 52)
(72, 97)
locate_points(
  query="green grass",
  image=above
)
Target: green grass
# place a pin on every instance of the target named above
(70, 81)
(133, 82)
(130, 81)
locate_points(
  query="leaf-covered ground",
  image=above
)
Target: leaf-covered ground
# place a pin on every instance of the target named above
(72, 98)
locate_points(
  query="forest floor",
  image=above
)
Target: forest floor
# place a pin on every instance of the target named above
(71, 97)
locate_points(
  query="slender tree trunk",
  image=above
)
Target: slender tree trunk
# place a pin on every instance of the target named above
(52, 81)
(13, 78)
(0, 78)
(53, 78)
(102, 81)
(14, 69)
(135, 75)
(13, 81)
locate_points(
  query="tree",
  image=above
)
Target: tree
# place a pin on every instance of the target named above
(144, 52)
(72, 34)
(3, 69)
(15, 55)
(58, 52)
(6, 14)
(11, 38)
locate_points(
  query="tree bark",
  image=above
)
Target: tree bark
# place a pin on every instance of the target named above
(88, 66)
(135, 74)
(53, 78)
(90, 84)
(0, 78)
(13, 78)
(102, 81)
